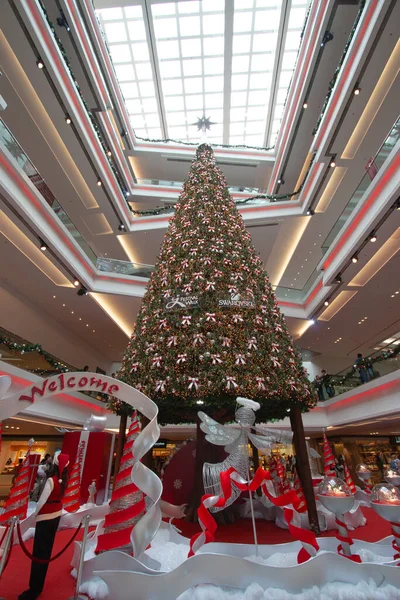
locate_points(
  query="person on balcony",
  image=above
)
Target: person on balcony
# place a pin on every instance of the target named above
(361, 366)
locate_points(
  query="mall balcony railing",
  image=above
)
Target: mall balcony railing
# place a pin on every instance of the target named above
(179, 184)
(364, 370)
(31, 357)
(374, 166)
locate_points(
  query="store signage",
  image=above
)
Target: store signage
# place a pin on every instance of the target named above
(237, 301)
(69, 382)
(181, 302)
(160, 444)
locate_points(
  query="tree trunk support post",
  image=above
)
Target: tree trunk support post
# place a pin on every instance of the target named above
(303, 467)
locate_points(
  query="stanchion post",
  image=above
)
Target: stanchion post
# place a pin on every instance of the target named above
(7, 544)
(77, 596)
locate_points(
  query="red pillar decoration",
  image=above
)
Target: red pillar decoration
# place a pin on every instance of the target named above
(329, 460)
(127, 504)
(17, 502)
(71, 500)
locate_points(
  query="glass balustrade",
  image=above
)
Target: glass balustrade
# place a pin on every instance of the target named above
(179, 184)
(372, 169)
(13, 147)
(122, 267)
(361, 371)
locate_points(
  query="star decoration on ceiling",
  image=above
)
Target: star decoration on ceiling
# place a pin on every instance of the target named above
(203, 124)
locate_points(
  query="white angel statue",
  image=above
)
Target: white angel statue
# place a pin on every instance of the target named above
(235, 441)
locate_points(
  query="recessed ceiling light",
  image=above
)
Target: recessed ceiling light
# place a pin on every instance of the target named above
(332, 164)
(354, 259)
(109, 153)
(121, 227)
(357, 91)
(76, 283)
(99, 183)
(43, 245)
(63, 304)
(68, 120)
(305, 105)
(54, 296)
(40, 64)
(80, 318)
(326, 303)
(372, 238)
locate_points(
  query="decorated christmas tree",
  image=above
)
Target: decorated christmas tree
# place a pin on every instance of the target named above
(127, 504)
(209, 328)
(16, 504)
(72, 497)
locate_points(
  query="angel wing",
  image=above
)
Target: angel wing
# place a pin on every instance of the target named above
(279, 436)
(217, 434)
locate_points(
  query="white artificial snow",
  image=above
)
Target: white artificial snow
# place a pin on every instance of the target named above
(332, 591)
(167, 553)
(95, 588)
(280, 559)
(368, 556)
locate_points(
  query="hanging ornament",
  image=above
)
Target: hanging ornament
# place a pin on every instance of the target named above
(156, 363)
(231, 383)
(160, 385)
(162, 324)
(216, 359)
(210, 286)
(240, 359)
(172, 341)
(198, 339)
(181, 358)
(186, 320)
(193, 383)
(260, 383)
(252, 343)
(275, 362)
(210, 317)
(237, 318)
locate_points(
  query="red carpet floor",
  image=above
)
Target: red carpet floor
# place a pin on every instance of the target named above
(60, 585)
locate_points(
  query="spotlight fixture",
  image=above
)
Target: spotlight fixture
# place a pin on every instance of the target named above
(109, 153)
(82, 291)
(40, 64)
(357, 91)
(310, 212)
(328, 37)
(311, 321)
(121, 227)
(43, 245)
(123, 133)
(354, 259)
(338, 278)
(332, 164)
(305, 105)
(372, 238)
(127, 194)
(68, 120)
(281, 180)
(76, 283)
(99, 182)
(326, 303)
(62, 21)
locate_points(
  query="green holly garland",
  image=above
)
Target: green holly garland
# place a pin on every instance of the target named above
(271, 197)
(26, 348)
(92, 119)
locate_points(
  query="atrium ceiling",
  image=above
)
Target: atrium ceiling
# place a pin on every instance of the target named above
(231, 62)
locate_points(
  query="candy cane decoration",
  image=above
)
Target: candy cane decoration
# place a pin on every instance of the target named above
(396, 541)
(345, 540)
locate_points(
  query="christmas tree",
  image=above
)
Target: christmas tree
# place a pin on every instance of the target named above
(209, 328)
(127, 504)
(16, 504)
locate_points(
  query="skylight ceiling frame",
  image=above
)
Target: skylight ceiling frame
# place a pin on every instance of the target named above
(276, 73)
(259, 119)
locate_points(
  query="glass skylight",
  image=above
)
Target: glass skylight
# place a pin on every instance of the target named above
(179, 61)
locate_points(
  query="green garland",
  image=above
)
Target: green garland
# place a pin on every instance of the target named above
(26, 348)
(195, 144)
(92, 119)
(271, 197)
(337, 71)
